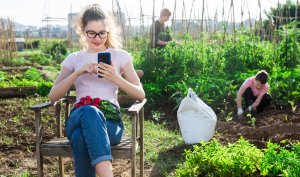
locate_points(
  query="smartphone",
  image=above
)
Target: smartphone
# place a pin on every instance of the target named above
(104, 57)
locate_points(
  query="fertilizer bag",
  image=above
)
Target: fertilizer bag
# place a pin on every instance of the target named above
(197, 121)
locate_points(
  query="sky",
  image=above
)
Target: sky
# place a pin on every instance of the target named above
(32, 12)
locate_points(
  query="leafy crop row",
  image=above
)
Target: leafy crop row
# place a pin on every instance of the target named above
(31, 77)
(215, 70)
(240, 159)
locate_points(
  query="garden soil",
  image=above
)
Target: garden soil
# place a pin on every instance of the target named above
(17, 138)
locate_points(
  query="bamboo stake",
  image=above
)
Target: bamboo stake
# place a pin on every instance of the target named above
(242, 14)
(215, 21)
(122, 24)
(189, 22)
(249, 17)
(153, 23)
(260, 22)
(12, 45)
(174, 15)
(141, 19)
(295, 37)
(128, 31)
(182, 16)
(1, 36)
(223, 21)
(5, 41)
(202, 16)
(233, 19)
(207, 23)
(296, 11)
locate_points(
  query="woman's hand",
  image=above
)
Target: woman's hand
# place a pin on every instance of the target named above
(108, 72)
(90, 68)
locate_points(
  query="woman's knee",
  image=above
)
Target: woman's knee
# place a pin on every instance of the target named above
(267, 98)
(92, 112)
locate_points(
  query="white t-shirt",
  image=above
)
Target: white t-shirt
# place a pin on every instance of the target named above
(90, 84)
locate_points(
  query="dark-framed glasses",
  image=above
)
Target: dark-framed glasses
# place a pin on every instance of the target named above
(93, 34)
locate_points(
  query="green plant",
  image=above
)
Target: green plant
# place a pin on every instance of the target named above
(2, 76)
(6, 140)
(20, 61)
(44, 87)
(252, 120)
(56, 49)
(24, 174)
(278, 161)
(213, 159)
(229, 116)
(33, 74)
(157, 116)
(293, 105)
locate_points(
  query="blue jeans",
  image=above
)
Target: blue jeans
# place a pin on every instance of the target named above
(91, 137)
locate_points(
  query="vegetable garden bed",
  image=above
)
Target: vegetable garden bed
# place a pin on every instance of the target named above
(17, 91)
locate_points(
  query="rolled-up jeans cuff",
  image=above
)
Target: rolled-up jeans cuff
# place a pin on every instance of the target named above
(101, 159)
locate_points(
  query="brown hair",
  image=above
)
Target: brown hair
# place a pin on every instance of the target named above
(165, 12)
(94, 12)
(262, 76)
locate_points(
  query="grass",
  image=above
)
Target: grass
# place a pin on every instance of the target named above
(163, 148)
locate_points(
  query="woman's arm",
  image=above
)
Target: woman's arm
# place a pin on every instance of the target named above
(62, 84)
(239, 96)
(132, 85)
(66, 79)
(257, 101)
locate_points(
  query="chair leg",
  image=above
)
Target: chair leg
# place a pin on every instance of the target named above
(141, 160)
(133, 146)
(39, 165)
(133, 168)
(61, 167)
(141, 144)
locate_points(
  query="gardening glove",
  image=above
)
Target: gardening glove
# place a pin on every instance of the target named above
(240, 111)
(250, 108)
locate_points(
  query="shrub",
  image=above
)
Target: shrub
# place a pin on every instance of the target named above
(57, 50)
(33, 74)
(278, 161)
(214, 159)
(44, 87)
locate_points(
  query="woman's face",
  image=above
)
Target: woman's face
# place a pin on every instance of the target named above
(258, 85)
(96, 35)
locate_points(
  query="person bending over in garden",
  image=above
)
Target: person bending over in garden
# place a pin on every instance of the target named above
(91, 133)
(159, 33)
(254, 91)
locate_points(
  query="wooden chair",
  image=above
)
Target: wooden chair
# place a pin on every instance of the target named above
(60, 145)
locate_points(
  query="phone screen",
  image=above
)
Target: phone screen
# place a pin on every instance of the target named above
(104, 57)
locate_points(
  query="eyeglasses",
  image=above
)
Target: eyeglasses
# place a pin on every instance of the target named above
(93, 34)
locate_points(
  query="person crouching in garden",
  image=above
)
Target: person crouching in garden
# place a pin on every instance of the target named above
(254, 91)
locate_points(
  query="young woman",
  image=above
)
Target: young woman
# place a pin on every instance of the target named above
(91, 134)
(255, 93)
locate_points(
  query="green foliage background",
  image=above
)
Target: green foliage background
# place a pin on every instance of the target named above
(215, 69)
